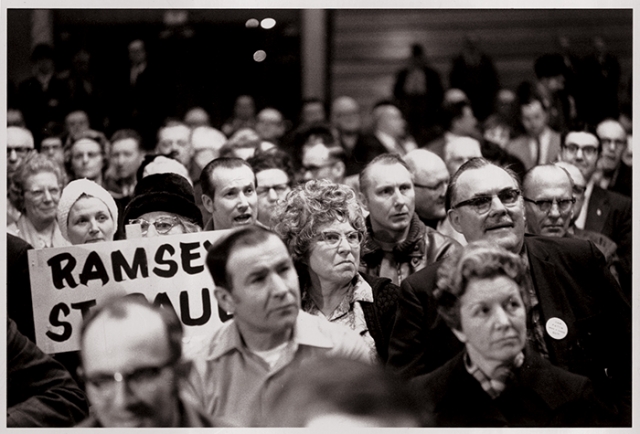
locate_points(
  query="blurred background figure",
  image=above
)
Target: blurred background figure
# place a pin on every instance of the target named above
(312, 112)
(75, 123)
(53, 148)
(42, 97)
(20, 145)
(458, 120)
(460, 150)
(274, 179)
(613, 173)
(244, 113)
(418, 91)
(242, 144)
(346, 122)
(36, 187)
(502, 125)
(601, 75)
(87, 156)
(125, 158)
(321, 157)
(341, 393)
(270, 125)
(473, 72)
(87, 213)
(197, 117)
(560, 106)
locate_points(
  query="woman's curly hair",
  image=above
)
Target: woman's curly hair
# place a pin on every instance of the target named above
(477, 260)
(312, 204)
(32, 165)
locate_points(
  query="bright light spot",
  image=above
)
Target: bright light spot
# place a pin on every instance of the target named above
(268, 23)
(259, 55)
(252, 23)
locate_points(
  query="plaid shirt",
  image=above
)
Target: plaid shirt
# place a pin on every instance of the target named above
(493, 386)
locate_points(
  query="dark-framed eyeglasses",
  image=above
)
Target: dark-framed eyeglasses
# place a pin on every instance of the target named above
(587, 151)
(544, 205)
(140, 380)
(19, 150)
(162, 225)
(614, 143)
(482, 204)
(278, 188)
(435, 187)
(354, 238)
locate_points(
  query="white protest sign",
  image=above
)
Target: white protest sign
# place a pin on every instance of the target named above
(68, 282)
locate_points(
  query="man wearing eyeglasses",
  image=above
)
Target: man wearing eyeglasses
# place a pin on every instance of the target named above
(132, 364)
(274, 176)
(613, 173)
(322, 157)
(603, 211)
(430, 181)
(580, 319)
(19, 145)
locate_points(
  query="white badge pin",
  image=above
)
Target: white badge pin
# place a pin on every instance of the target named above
(598, 212)
(557, 328)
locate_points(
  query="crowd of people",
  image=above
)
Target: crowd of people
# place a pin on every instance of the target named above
(426, 270)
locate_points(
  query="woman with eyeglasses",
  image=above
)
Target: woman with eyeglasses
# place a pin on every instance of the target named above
(322, 225)
(163, 204)
(36, 186)
(87, 213)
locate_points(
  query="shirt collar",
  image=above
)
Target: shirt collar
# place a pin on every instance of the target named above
(305, 332)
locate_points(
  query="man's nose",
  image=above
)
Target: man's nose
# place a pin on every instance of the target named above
(242, 201)
(12, 155)
(47, 195)
(279, 287)
(122, 395)
(272, 195)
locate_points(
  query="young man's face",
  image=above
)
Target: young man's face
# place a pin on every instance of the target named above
(235, 202)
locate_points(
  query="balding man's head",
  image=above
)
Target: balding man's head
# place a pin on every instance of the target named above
(548, 195)
(430, 180)
(613, 138)
(460, 150)
(345, 115)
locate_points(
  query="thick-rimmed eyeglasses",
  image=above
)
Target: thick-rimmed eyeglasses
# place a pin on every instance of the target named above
(587, 151)
(278, 188)
(139, 381)
(333, 238)
(482, 204)
(545, 205)
(162, 225)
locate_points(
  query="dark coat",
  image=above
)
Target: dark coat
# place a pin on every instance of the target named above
(610, 214)
(367, 148)
(622, 181)
(572, 283)
(539, 395)
(19, 305)
(381, 314)
(40, 392)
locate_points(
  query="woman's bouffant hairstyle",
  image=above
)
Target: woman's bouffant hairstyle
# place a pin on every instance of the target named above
(477, 260)
(32, 165)
(310, 205)
(93, 135)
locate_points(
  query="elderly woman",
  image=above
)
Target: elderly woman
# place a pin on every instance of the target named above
(36, 187)
(87, 213)
(323, 227)
(497, 380)
(86, 156)
(163, 204)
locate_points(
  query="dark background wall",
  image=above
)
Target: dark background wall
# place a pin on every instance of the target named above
(369, 46)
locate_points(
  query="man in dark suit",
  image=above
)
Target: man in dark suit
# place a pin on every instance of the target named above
(603, 211)
(580, 320)
(613, 173)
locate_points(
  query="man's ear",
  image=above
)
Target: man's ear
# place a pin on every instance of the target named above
(363, 200)
(460, 335)
(454, 218)
(225, 299)
(208, 203)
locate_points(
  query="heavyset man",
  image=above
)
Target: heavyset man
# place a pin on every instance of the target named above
(581, 321)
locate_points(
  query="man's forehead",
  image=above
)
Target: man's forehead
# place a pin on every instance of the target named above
(485, 180)
(316, 151)
(224, 177)
(581, 138)
(175, 131)
(265, 254)
(611, 129)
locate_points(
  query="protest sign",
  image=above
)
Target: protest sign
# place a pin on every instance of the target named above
(68, 282)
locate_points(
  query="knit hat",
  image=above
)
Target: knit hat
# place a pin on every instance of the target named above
(73, 191)
(166, 192)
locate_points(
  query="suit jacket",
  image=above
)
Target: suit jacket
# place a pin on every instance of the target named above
(622, 180)
(609, 213)
(519, 147)
(539, 394)
(571, 282)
